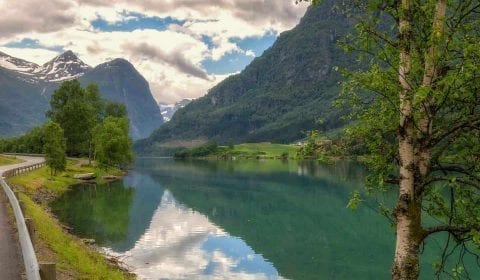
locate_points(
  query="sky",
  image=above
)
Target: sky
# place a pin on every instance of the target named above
(182, 47)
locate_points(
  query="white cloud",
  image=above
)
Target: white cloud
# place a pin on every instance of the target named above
(169, 59)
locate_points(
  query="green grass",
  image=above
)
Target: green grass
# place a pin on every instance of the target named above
(265, 149)
(71, 255)
(7, 160)
(41, 179)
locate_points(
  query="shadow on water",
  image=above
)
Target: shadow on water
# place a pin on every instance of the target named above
(235, 219)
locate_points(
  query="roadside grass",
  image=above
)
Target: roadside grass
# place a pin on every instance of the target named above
(7, 160)
(73, 257)
(41, 178)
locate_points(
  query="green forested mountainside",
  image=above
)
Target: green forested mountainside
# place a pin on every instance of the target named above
(23, 102)
(278, 97)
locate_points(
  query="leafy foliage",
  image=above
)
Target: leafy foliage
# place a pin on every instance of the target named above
(55, 147)
(113, 146)
(204, 150)
(31, 142)
(417, 113)
(77, 111)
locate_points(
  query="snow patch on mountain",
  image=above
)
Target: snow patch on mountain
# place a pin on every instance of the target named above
(17, 64)
(168, 110)
(66, 66)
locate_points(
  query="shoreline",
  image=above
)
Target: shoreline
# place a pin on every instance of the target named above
(75, 257)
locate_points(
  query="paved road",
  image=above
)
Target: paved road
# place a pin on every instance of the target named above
(11, 262)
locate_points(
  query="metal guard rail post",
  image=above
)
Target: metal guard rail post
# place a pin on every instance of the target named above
(32, 269)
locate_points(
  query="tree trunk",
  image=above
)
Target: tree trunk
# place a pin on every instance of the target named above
(90, 152)
(414, 151)
(429, 76)
(408, 209)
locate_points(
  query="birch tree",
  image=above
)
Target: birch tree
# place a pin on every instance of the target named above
(416, 104)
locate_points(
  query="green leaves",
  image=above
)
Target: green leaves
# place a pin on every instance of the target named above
(77, 111)
(55, 147)
(113, 146)
(355, 200)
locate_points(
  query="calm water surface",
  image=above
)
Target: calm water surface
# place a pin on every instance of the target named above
(171, 219)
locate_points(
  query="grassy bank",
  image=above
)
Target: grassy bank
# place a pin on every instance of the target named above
(75, 260)
(247, 150)
(7, 160)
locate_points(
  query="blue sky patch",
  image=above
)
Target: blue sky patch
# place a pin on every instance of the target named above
(236, 249)
(135, 21)
(28, 43)
(257, 44)
(237, 61)
(208, 41)
(230, 63)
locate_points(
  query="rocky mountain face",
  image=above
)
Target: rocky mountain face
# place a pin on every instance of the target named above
(25, 90)
(17, 64)
(119, 81)
(278, 97)
(22, 104)
(63, 67)
(168, 110)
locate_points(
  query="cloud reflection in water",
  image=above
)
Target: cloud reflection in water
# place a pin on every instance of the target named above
(183, 244)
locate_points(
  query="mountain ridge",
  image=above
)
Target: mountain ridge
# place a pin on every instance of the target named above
(281, 95)
(27, 87)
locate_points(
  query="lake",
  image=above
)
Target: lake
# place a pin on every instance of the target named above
(245, 219)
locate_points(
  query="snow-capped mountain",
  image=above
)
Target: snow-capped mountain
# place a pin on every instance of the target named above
(168, 110)
(63, 67)
(25, 89)
(17, 64)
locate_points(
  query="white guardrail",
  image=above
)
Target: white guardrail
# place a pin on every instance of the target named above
(32, 269)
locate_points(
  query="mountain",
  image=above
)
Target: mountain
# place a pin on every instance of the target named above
(25, 90)
(63, 67)
(22, 104)
(168, 110)
(278, 97)
(119, 81)
(17, 64)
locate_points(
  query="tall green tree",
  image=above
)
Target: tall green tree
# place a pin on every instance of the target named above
(115, 109)
(417, 106)
(54, 147)
(77, 111)
(113, 146)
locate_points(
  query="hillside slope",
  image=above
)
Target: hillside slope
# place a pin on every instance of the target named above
(278, 97)
(119, 81)
(22, 104)
(25, 90)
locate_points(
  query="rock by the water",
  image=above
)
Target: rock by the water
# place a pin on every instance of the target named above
(86, 176)
(110, 177)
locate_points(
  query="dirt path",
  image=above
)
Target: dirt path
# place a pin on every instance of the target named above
(11, 262)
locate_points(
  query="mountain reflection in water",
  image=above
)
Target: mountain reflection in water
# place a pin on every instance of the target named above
(173, 219)
(180, 243)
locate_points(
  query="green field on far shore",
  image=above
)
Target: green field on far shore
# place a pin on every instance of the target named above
(265, 149)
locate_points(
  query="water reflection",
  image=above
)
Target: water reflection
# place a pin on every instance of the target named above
(180, 244)
(233, 220)
(176, 243)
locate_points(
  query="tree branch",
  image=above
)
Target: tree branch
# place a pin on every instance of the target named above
(456, 230)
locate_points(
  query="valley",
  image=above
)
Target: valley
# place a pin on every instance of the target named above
(242, 139)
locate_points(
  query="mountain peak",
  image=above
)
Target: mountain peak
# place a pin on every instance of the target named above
(63, 67)
(119, 62)
(17, 64)
(66, 56)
